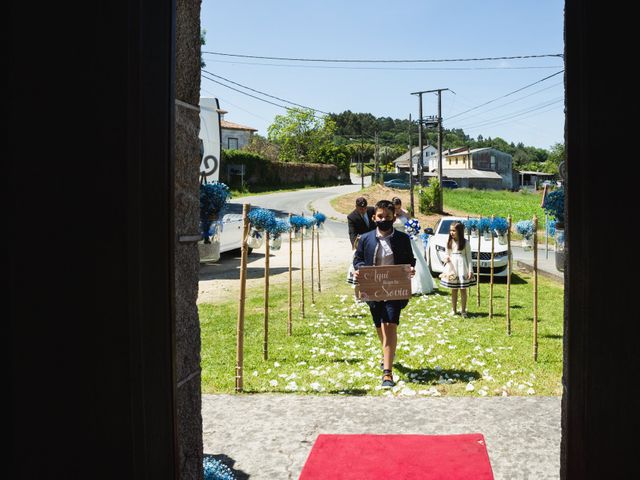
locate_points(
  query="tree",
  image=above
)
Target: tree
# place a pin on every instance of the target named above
(263, 147)
(203, 41)
(300, 134)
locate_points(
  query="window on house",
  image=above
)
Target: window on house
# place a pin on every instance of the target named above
(493, 162)
(232, 143)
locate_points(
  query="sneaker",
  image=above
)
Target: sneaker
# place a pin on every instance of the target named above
(387, 380)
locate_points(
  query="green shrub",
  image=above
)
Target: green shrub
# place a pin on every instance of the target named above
(428, 197)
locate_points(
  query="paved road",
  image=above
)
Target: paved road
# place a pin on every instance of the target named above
(299, 202)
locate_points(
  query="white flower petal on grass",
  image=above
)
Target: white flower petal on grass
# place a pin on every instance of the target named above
(292, 386)
(316, 386)
(482, 393)
(255, 373)
(276, 364)
(273, 383)
(406, 391)
(531, 391)
(470, 387)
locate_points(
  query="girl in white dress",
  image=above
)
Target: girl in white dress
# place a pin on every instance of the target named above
(422, 281)
(459, 259)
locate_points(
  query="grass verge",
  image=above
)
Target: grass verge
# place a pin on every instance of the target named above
(334, 349)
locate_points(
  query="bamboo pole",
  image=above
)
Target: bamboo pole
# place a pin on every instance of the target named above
(318, 250)
(478, 267)
(265, 347)
(313, 234)
(289, 319)
(509, 278)
(491, 274)
(535, 288)
(302, 232)
(243, 291)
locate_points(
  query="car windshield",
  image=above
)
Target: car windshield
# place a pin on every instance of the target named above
(445, 225)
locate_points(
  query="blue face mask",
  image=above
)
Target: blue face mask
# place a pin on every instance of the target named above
(385, 225)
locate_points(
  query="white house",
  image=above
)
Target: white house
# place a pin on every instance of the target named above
(234, 135)
(402, 162)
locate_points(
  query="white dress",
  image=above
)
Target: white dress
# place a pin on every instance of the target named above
(422, 282)
(461, 262)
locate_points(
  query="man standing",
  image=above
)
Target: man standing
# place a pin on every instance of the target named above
(360, 220)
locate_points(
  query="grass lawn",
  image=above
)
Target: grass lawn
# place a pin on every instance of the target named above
(521, 206)
(460, 202)
(334, 349)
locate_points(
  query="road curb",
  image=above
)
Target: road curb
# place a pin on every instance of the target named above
(550, 275)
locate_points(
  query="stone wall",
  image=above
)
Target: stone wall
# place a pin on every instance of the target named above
(310, 173)
(186, 267)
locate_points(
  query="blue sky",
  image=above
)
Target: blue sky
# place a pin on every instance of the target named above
(393, 30)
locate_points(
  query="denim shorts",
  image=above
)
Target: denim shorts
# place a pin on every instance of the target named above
(386, 312)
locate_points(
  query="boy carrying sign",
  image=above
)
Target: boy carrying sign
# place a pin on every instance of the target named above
(385, 246)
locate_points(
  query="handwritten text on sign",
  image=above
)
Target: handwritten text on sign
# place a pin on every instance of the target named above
(389, 282)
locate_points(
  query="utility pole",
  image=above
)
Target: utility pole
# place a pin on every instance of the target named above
(361, 161)
(419, 135)
(439, 120)
(440, 202)
(411, 169)
(377, 157)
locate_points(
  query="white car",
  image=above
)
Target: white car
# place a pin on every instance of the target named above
(437, 249)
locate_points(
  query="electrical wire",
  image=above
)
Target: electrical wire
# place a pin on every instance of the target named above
(263, 93)
(290, 59)
(285, 65)
(503, 96)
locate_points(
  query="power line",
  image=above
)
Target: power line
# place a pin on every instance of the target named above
(513, 101)
(503, 96)
(512, 115)
(263, 93)
(286, 65)
(508, 121)
(245, 93)
(342, 60)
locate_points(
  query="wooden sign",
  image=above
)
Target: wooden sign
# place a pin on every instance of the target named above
(388, 282)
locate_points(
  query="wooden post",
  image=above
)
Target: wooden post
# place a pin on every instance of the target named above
(243, 290)
(478, 266)
(509, 278)
(318, 249)
(302, 232)
(265, 346)
(289, 320)
(535, 288)
(313, 234)
(491, 274)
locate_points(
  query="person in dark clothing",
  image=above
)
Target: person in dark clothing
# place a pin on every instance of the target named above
(360, 220)
(385, 246)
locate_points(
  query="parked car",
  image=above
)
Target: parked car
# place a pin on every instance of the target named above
(449, 184)
(437, 249)
(397, 183)
(231, 233)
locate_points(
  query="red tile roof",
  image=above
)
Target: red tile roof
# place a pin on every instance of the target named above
(236, 126)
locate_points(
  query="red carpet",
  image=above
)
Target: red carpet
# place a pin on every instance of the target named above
(390, 457)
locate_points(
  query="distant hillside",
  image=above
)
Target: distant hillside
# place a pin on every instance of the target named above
(395, 132)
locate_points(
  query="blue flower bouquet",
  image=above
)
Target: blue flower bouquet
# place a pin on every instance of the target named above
(554, 204)
(412, 227)
(500, 225)
(471, 226)
(213, 198)
(525, 228)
